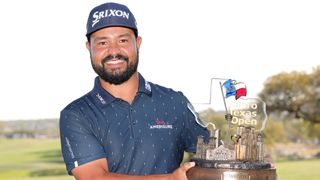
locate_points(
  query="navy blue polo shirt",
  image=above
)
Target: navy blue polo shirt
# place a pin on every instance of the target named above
(147, 137)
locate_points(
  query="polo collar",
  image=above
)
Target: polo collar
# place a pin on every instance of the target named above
(104, 97)
(144, 86)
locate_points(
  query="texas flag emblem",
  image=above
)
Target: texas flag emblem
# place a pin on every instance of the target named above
(234, 88)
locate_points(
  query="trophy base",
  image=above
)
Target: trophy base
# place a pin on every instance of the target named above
(231, 170)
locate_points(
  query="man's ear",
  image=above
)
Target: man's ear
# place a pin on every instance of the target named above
(88, 45)
(139, 40)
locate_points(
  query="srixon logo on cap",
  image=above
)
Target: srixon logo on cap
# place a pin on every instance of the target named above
(108, 13)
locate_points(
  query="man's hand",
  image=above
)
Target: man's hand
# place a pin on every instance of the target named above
(181, 172)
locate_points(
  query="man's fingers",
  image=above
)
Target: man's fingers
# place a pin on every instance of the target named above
(186, 166)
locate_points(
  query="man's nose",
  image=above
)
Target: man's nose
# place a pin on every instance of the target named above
(114, 48)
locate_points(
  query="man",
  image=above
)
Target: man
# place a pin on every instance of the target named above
(126, 127)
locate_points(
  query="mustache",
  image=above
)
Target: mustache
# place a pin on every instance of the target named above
(117, 56)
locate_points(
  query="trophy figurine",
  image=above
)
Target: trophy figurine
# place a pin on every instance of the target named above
(240, 156)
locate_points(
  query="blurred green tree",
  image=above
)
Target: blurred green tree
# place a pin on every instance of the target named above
(274, 133)
(293, 95)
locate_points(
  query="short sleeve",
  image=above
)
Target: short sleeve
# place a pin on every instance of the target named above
(79, 144)
(194, 128)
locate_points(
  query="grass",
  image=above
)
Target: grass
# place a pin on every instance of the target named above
(34, 159)
(297, 170)
(31, 159)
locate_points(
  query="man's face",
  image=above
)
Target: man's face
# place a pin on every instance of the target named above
(114, 53)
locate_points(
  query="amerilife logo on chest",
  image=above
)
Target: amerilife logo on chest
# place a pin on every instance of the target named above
(160, 124)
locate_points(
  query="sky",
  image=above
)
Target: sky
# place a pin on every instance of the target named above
(44, 64)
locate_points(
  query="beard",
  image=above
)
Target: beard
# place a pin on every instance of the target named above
(116, 76)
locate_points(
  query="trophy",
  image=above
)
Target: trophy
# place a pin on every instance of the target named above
(240, 156)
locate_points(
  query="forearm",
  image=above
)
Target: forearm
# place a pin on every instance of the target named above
(115, 176)
(178, 174)
(94, 171)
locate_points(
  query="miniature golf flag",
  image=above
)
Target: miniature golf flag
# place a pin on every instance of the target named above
(241, 89)
(234, 88)
(230, 89)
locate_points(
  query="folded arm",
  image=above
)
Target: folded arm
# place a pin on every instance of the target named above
(98, 170)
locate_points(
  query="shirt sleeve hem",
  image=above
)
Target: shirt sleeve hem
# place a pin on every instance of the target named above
(82, 161)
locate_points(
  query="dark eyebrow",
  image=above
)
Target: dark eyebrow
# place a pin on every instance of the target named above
(124, 35)
(99, 38)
